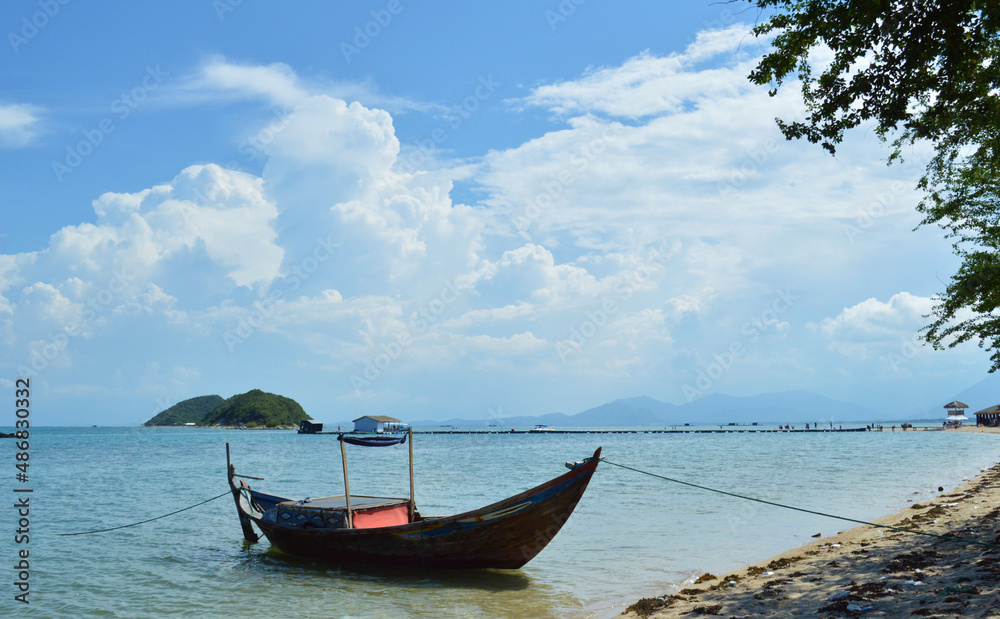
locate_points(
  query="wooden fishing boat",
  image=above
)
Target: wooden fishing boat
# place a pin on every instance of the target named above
(391, 532)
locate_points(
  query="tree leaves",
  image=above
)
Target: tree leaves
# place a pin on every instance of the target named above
(922, 71)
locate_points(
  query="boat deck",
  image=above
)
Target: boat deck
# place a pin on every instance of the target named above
(367, 512)
(340, 502)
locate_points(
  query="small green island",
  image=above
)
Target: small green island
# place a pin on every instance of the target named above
(253, 409)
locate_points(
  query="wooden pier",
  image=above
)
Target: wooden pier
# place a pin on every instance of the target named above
(725, 430)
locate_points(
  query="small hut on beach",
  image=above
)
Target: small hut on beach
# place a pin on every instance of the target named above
(955, 409)
(956, 413)
(989, 417)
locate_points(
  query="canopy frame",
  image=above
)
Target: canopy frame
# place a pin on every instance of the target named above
(372, 443)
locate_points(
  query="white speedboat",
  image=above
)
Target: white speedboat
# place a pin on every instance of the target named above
(542, 428)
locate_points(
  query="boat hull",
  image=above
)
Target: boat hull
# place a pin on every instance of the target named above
(504, 535)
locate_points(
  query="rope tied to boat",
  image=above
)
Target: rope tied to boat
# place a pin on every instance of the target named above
(800, 509)
(125, 526)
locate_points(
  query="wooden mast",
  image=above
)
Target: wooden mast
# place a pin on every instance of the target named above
(347, 485)
(413, 508)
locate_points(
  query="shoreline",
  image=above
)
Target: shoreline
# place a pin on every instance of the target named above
(868, 570)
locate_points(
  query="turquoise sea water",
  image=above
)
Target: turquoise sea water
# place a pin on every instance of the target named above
(631, 536)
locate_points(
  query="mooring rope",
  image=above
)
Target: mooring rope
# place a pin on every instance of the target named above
(125, 526)
(801, 509)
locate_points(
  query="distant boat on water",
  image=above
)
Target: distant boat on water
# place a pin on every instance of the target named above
(308, 426)
(542, 428)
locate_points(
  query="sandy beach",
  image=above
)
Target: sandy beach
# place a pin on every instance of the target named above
(868, 571)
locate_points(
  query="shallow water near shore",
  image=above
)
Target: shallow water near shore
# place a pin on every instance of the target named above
(631, 536)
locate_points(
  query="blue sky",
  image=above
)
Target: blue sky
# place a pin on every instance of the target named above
(440, 209)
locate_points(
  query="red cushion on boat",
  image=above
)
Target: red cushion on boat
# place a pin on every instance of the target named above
(390, 516)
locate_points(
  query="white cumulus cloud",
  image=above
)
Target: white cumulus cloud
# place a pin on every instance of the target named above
(872, 326)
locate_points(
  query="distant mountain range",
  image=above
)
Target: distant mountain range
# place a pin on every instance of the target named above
(798, 407)
(794, 407)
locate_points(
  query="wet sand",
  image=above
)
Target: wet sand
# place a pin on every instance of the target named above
(869, 571)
